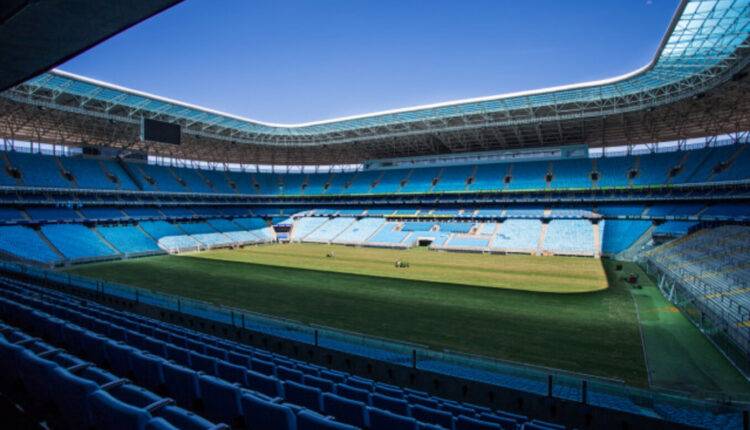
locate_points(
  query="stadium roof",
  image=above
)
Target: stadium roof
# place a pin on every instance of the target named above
(695, 85)
(37, 35)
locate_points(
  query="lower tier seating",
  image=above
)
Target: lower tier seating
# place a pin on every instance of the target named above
(197, 375)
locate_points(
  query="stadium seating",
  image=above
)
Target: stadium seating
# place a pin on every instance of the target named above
(102, 213)
(128, 239)
(38, 170)
(569, 237)
(236, 387)
(52, 213)
(387, 235)
(518, 235)
(329, 230)
(620, 235)
(87, 173)
(26, 243)
(77, 242)
(359, 231)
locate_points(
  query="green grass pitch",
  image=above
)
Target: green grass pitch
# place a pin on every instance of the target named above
(576, 314)
(497, 306)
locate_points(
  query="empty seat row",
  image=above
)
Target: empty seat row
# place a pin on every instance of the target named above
(73, 393)
(233, 375)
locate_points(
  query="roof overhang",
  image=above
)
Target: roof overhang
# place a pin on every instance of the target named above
(695, 85)
(38, 35)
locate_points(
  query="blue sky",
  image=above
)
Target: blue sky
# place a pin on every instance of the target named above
(296, 61)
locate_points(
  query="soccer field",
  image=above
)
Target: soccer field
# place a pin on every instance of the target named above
(360, 290)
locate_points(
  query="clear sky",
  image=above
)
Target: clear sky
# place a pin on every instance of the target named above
(304, 60)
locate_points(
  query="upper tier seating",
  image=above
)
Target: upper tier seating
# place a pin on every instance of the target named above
(420, 180)
(10, 214)
(38, 170)
(454, 178)
(162, 177)
(722, 163)
(49, 213)
(88, 173)
(529, 175)
(123, 179)
(574, 173)
(102, 213)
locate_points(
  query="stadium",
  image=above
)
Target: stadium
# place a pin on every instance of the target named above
(574, 257)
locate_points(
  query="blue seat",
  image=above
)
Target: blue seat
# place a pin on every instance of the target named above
(70, 394)
(184, 420)
(35, 375)
(9, 362)
(239, 359)
(264, 415)
(221, 400)
(154, 346)
(92, 346)
(195, 345)
(262, 366)
(231, 372)
(307, 369)
(379, 419)
(321, 383)
(457, 408)
(433, 416)
(397, 406)
(178, 354)
(107, 412)
(288, 374)
(118, 357)
(53, 329)
(97, 375)
(542, 425)
(388, 390)
(424, 401)
(361, 383)
(307, 420)
(117, 333)
(333, 375)
(353, 393)
(468, 423)
(518, 418)
(203, 363)
(134, 395)
(345, 410)
(160, 424)
(302, 395)
(264, 384)
(181, 384)
(147, 369)
(505, 423)
(215, 352)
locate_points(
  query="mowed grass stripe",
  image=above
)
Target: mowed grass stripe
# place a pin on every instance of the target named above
(595, 333)
(523, 272)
